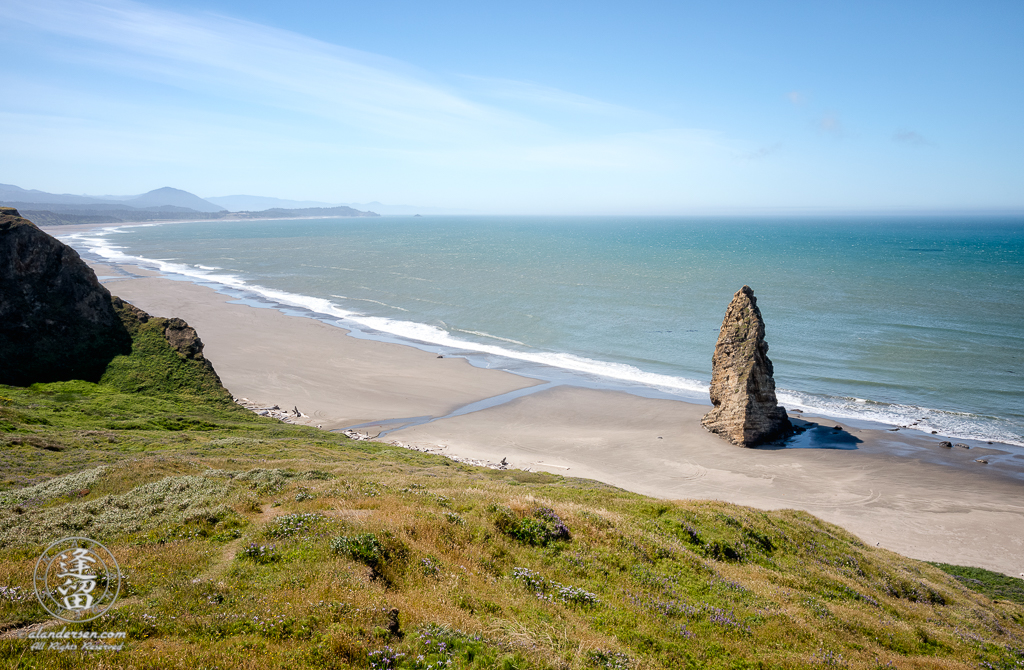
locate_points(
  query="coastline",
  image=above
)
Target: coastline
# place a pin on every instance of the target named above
(899, 490)
(393, 287)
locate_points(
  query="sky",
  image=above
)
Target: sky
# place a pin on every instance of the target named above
(523, 108)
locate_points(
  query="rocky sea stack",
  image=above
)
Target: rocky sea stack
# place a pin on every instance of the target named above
(56, 320)
(746, 411)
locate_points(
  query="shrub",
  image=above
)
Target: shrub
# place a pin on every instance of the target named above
(293, 524)
(541, 529)
(262, 554)
(430, 566)
(546, 589)
(383, 553)
(608, 659)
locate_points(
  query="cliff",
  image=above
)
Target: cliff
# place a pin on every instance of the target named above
(56, 320)
(58, 323)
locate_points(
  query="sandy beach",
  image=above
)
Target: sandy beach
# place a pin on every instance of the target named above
(899, 490)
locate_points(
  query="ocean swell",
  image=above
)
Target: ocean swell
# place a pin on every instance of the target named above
(956, 425)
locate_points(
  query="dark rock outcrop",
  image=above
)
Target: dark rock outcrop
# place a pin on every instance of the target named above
(746, 411)
(183, 339)
(56, 320)
(177, 334)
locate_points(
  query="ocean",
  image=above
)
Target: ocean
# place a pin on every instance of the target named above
(897, 320)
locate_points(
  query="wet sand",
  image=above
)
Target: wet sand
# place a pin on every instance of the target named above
(897, 489)
(337, 380)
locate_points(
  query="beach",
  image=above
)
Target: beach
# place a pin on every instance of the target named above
(898, 490)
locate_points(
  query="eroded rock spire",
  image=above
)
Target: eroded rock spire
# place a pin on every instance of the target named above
(746, 411)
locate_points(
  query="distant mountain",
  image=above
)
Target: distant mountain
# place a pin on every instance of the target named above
(161, 197)
(257, 203)
(11, 193)
(174, 197)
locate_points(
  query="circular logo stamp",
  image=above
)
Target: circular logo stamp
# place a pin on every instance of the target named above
(77, 579)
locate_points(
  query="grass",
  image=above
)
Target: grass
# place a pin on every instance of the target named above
(995, 585)
(247, 543)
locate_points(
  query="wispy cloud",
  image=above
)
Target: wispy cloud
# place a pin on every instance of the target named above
(184, 89)
(549, 97)
(831, 123)
(909, 138)
(269, 67)
(265, 67)
(796, 97)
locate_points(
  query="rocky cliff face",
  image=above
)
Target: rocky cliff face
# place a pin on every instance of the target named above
(746, 411)
(56, 320)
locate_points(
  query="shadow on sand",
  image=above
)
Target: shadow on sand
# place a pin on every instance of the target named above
(811, 435)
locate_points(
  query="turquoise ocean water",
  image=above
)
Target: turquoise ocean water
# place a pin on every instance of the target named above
(897, 320)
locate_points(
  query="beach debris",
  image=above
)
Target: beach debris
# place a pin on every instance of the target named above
(946, 445)
(355, 435)
(504, 461)
(440, 356)
(273, 411)
(962, 446)
(746, 411)
(981, 460)
(439, 450)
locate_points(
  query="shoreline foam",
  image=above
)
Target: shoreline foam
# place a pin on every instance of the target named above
(553, 366)
(898, 490)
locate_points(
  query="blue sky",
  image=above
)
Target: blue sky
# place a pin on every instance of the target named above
(530, 107)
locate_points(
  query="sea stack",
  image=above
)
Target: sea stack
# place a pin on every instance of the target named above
(746, 411)
(56, 320)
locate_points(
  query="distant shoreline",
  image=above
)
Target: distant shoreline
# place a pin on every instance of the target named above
(59, 229)
(61, 219)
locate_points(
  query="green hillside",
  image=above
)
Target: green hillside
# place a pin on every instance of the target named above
(248, 543)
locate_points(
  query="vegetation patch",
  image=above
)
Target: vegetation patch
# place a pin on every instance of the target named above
(292, 525)
(546, 589)
(383, 553)
(261, 554)
(248, 543)
(541, 528)
(995, 585)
